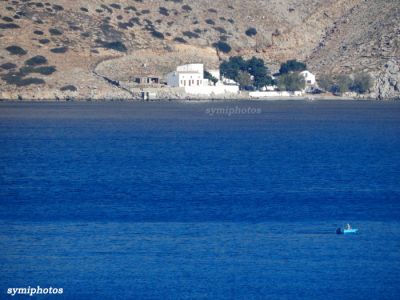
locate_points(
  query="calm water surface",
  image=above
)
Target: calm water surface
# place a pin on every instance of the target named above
(172, 201)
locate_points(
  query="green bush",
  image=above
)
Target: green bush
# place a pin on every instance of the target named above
(44, 70)
(55, 31)
(325, 82)
(180, 40)
(44, 41)
(117, 46)
(186, 8)
(8, 26)
(70, 88)
(16, 50)
(223, 46)
(291, 82)
(292, 66)
(16, 79)
(59, 50)
(362, 83)
(251, 31)
(210, 22)
(220, 30)
(236, 68)
(115, 5)
(36, 60)
(190, 34)
(8, 66)
(163, 11)
(157, 34)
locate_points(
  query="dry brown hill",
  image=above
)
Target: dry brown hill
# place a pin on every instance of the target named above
(79, 43)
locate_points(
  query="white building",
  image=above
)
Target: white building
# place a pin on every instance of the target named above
(187, 75)
(308, 77)
(191, 78)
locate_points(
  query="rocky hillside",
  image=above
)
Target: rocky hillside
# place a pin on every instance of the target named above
(58, 49)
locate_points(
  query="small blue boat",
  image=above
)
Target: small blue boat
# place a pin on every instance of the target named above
(347, 230)
(352, 230)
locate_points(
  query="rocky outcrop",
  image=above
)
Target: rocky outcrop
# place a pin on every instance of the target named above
(388, 81)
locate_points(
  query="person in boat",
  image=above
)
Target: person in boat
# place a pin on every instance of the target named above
(348, 226)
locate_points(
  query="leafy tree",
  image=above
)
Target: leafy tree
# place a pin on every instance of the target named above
(291, 82)
(362, 83)
(208, 75)
(325, 82)
(259, 70)
(231, 68)
(244, 79)
(342, 84)
(292, 66)
(255, 67)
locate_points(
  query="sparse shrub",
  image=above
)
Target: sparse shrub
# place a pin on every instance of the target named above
(8, 26)
(220, 30)
(16, 50)
(130, 8)
(74, 27)
(223, 46)
(190, 34)
(38, 32)
(115, 5)
(197, 30)
(84, 9)
(157, 34)
(342, 84)
(187, 8)
(36, 60)
(212, 10)
(164, 11)
(44, 41)
(55, 31)
(68, 88)
(124, 25)
(16, 79)
(44, 70)
(105, 7)
(251, 31)
(7, 19)
(119, 17)
(58, 7)
(325, 82)
(210, 22)
(180, 40)
(59, 50)
(117, 46)
(362, 83)
(145, 11)
(231, 21)
(8, 66)
(135, 20)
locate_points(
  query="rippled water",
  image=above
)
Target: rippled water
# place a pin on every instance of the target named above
(183, 201)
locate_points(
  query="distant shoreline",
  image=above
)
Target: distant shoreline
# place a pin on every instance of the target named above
(195, 99)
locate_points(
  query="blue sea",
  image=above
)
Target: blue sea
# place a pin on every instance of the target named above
(200, 200)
